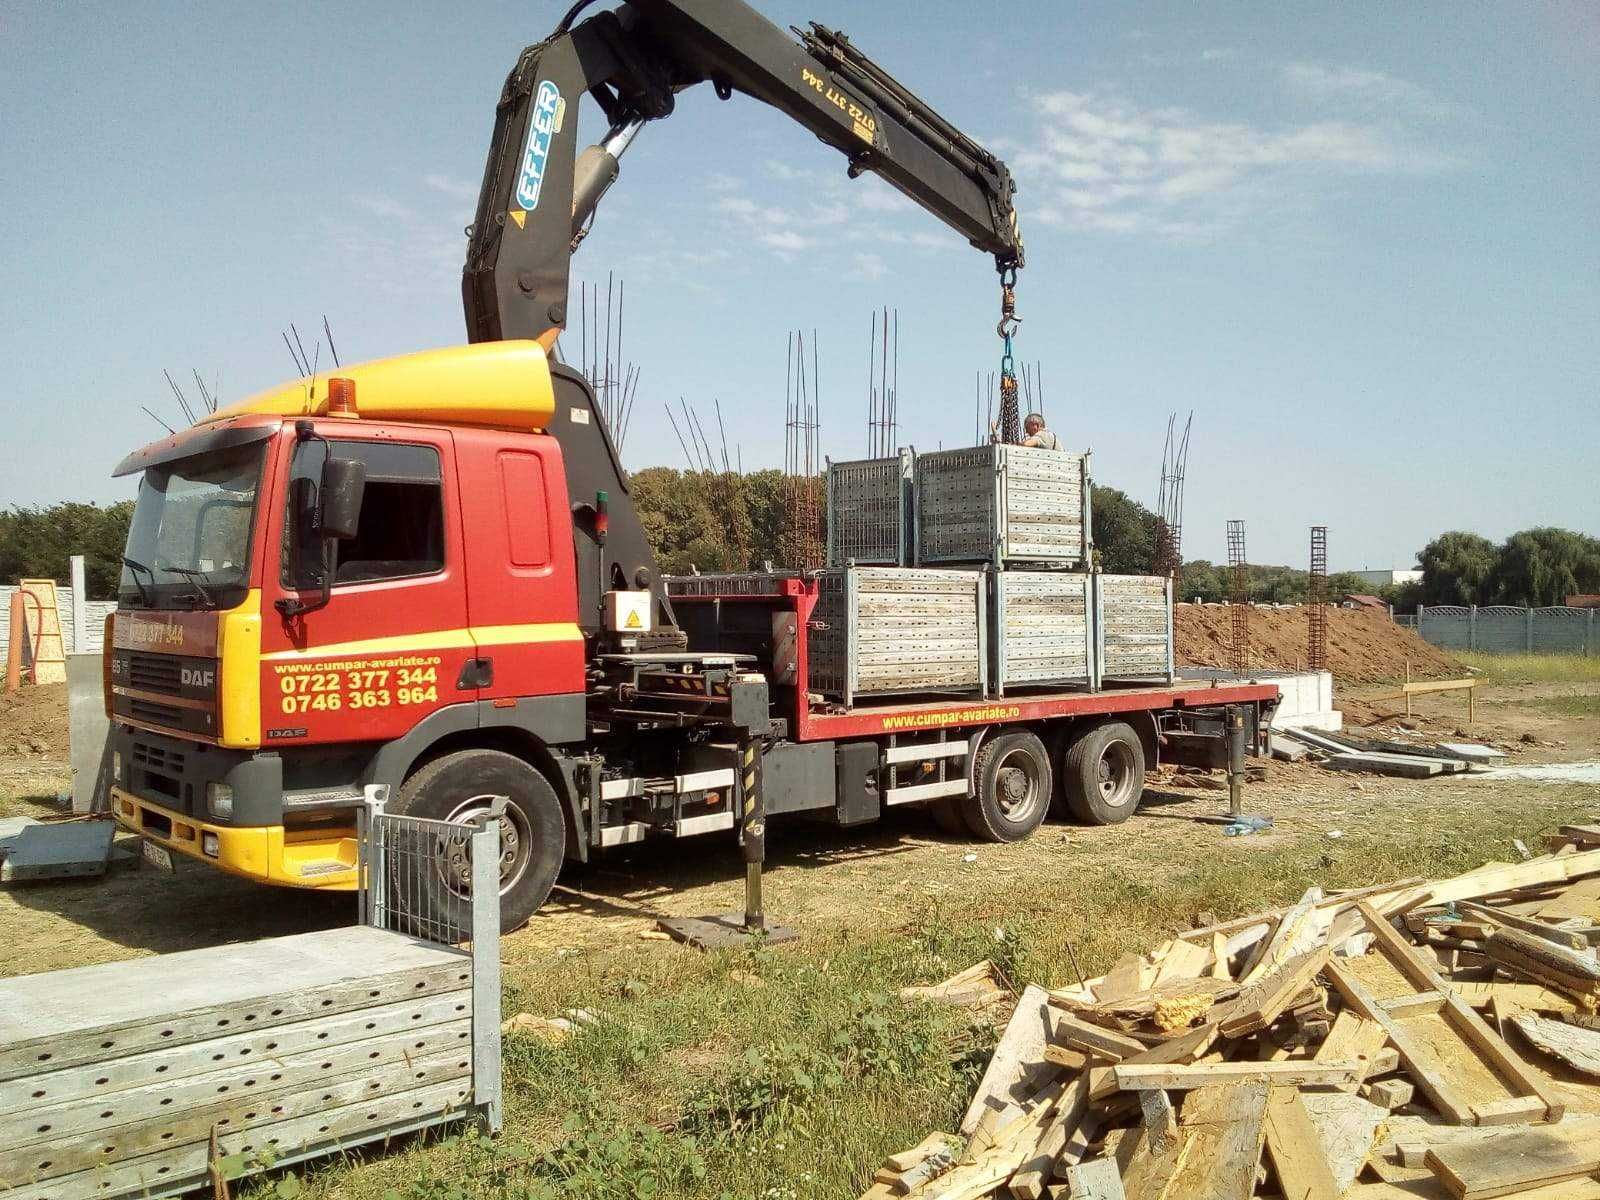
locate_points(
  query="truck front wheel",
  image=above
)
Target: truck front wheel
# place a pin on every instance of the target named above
(1102, 774)
(460, 788)
(1011, 779)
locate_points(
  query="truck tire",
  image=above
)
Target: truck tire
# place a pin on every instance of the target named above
(1012, 783)
(1103, 774)
(458, 788)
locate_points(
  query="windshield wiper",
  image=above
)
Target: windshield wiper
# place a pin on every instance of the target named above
(190, 573)
(134, 567)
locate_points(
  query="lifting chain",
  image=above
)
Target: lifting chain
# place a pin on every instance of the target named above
(1010, 423)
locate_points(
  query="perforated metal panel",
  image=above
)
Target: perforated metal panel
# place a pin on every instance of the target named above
(870, 511)
(1003, 504)
(898, 629)
(1041, 628)
(1133, 627)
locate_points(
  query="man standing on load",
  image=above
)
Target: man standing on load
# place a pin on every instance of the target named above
(1037, 435)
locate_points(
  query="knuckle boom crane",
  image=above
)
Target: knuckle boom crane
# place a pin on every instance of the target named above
(539, 194)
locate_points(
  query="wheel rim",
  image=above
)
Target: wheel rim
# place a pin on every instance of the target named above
(516, 845)
(1114, 774)
(1018, 790)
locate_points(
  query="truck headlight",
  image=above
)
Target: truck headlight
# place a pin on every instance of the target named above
(219, 800)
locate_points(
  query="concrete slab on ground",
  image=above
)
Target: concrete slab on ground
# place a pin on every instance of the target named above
(1472, 752)
(62, 850)
(1387, 764)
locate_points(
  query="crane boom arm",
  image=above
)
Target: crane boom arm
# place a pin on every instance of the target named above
(538, 193)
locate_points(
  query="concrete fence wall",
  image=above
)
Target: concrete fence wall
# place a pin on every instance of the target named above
(1502, 629)
(94, 621)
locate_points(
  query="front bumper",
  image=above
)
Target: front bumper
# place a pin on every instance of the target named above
(323, 857)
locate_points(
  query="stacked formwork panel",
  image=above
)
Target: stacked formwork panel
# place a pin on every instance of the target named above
(1023, 516)
(881, 630)
(871, 518)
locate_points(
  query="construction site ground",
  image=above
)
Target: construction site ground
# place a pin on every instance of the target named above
(791, 1072)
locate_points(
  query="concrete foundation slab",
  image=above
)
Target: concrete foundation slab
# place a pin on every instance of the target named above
(1387, 764)
(1307, 696)
(1472, 753)
(67, 850)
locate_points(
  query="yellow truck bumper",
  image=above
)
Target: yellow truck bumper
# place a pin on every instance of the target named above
(314, 858)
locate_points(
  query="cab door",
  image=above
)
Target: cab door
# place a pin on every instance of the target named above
(392, 644)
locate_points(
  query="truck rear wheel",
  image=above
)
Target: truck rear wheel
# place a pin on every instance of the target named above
(460, 788)
(1012, 782)
(1102, 774)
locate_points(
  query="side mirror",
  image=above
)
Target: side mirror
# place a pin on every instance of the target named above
(344, 483)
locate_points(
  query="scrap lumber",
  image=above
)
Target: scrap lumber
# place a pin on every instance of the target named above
(1262, 1003)
(1515, 1161)
(1031, 1177)
(1097, 1179)
(1017, 1069)
(1295, 1150)
(1578, 1048)
(1294, 933)
(979, 986)
(1094, 1039)
(1570, 971)
(1223, 1129)
(1500, 918)
(1347, 1127)
(1133, 1077)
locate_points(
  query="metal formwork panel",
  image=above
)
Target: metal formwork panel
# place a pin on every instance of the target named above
(1042, 628)
(1133, 627)
(1003, 504)
(870, 511)
(898, 629)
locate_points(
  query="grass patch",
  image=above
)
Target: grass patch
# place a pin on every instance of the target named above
(789, 1073)
(1533, 668)
(1570, 706)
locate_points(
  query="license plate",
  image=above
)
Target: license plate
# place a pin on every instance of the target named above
(157, 856)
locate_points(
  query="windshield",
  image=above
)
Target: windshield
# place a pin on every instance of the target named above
(189, 542)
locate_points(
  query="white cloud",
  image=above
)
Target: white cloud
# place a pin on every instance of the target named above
(1371, 90)
(869, 267)
(456, 189)
(1104, 165)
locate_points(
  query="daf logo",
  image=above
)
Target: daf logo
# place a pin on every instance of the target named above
(198, 677)
(543, 122)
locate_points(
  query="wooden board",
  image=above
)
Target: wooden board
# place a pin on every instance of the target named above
(1579, 1048)
(1295, 1150)
(1514, 1162)
(1017, 1068)
(1223, 1129)
(1132, 1077)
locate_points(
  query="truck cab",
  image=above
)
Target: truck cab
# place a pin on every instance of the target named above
(264, 667)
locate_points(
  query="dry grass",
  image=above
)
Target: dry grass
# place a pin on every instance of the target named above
(1513, 669)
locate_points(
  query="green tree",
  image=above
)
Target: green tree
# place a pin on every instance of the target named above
(1544, 566)
(1124, 532)
(1457, 568)
(37, 543)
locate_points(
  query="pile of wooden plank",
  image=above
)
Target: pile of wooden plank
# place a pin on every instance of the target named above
(1424, 1038)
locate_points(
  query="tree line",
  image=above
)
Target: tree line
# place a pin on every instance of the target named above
(707, 521)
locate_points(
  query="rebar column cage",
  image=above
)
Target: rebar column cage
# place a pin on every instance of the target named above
(1239, 600)
(1317, 601)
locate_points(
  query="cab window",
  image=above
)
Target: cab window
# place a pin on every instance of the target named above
(402, 515)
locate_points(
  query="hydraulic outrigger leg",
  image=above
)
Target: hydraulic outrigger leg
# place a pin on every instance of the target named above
(734, 928)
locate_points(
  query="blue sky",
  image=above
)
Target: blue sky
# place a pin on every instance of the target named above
(1360, 241)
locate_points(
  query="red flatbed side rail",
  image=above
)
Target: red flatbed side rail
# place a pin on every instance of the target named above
(815, 723)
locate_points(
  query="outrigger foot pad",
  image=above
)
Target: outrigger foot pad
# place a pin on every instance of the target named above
(725, 929)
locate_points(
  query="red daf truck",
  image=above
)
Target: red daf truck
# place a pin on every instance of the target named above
(426, 574)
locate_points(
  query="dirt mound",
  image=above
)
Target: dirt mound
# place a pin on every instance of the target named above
(1363, 646)
(33, 722)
